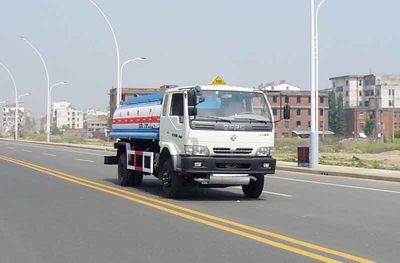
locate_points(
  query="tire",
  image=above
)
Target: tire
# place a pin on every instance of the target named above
(127, 177)
(172, 182)
(255, 188)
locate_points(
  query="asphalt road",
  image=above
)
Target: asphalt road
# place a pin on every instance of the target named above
(61, 204)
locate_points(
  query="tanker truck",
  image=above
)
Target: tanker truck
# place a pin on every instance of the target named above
(196, 136)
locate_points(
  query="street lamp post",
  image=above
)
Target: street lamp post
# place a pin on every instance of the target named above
(16, 99)
(314, 137)
(117, 50)
(127, 62)
(48, 87)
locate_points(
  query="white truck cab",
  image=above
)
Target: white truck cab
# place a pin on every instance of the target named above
(206, 136)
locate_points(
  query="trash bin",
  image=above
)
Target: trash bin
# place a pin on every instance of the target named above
(303, 156)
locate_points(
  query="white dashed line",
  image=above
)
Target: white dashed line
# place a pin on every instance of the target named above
(11, 148)
(28, 151)
(269, 192)
(49, 154)
(83, 160)
(337, 185)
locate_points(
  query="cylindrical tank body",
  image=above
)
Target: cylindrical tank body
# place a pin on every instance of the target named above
(138, 118)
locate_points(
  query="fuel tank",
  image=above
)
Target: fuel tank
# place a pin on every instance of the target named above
(138, 118)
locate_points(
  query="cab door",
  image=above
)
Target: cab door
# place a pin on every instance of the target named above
(172, 127)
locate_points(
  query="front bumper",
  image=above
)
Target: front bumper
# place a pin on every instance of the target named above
(227, 165)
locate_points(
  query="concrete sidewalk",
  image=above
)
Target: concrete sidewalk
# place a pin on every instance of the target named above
(327, 170)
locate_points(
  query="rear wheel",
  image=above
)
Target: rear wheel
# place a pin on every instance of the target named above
(127, 177)
(254, 188)
(172, 182)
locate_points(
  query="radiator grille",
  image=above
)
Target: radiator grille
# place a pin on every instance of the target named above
(232, 151)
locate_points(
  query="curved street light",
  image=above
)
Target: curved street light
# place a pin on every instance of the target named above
(127, 62)
(16, 99)
(314, 136)
(48, 85)
(117, 50)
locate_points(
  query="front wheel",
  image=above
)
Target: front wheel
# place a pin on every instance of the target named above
(172, 182)
(255, 188)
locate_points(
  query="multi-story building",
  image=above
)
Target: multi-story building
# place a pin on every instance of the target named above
(281, 86)
(66, 117)
(299, 124)
(370, 97)
(8, 118)
(376, 91)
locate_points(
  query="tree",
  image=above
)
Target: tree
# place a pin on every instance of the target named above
(340, 121)
(332, 111)
(370, 126)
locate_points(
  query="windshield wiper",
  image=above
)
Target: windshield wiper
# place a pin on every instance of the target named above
(214, 118)
(252, 119)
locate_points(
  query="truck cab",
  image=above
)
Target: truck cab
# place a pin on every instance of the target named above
(208, 136)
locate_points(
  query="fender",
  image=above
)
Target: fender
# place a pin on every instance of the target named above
(175, 155)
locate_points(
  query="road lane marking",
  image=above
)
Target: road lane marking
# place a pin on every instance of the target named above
(138, 198)
(269, 192)
(338, 185)
(28, 151)
(49, 154)
(11, 148)
(84, 160)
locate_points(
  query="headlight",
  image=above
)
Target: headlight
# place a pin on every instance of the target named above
(196, 150)
(265, 151)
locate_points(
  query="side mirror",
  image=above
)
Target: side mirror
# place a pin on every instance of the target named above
(192, 111)
(286, 112)
(192, 98)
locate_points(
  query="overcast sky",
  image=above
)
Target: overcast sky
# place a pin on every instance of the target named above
(188, 42)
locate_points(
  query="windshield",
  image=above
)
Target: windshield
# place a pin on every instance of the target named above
(233, 106)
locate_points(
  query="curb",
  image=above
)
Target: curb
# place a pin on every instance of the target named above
(69, 145)
(338, 174)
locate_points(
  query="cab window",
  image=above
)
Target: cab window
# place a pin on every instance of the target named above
(177, 105)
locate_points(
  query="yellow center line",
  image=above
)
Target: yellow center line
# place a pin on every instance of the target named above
(128, 195)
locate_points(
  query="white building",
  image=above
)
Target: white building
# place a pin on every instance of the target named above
(281, 86)
(8, 118)
(66, 117)
(371, 91)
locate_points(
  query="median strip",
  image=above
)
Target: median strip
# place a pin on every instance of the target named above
(193, 216)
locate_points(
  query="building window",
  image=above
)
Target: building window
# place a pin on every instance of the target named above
(321, 125)
(366, 82)
(275, 112)
(286, 99)
(77, 126)
(362, 125)
(393, 92)
(347, 93)
(298, 111)
(309, 112)
(339, 89)
(347, 83)
(321, 99)
(371, 93)
(321, 112)
(309, 124)
(298, 99)
(366, 103)
(286, 124)
(360, 93)
(362, 114)
(390, 103)
(275, 99)
(377, 92)
(298, 124)
(309, 99)
(360, 83)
